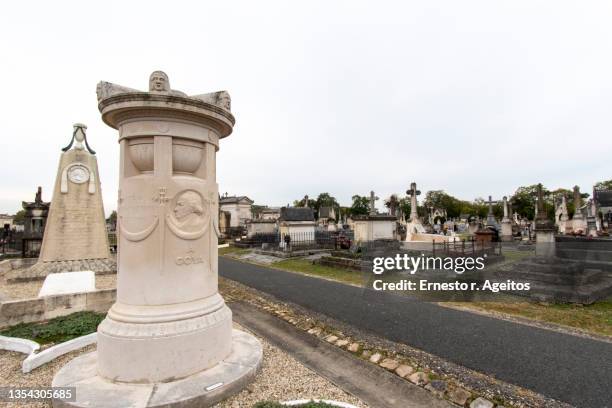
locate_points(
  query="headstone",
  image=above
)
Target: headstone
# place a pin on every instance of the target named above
(374, 226)
(506, 225)
(562, 216)
(592, 219)
(491, 222)
(544, 228)
(414, 225)
(68, 282)
(169, 335)
(75, 237)
(373, 199)
(578, 221)
(413, 193)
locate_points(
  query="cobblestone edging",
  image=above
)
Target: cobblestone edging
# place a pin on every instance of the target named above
(456, 384)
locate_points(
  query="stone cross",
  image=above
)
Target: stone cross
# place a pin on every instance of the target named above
(413, 193)
(577, 203)
(373, 199)
(306, 201)
(506, 218)
(393, 205)
(490, 216)
(541, 208)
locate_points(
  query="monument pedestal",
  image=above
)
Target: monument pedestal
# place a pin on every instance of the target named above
(201, 389)
(506, 230)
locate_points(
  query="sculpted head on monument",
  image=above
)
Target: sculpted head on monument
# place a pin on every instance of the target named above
(159, 82)
(224, 100)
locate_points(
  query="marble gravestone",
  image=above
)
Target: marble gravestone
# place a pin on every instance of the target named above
(579, 223)
(506, 224)
(168, 340)
(75, 237)
(414, 225)
(68, 282)
(544, 228)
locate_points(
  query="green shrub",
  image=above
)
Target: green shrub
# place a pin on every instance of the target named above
(57, 330)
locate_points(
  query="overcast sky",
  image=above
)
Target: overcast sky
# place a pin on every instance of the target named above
(472, 97)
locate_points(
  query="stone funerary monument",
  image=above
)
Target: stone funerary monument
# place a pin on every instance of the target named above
(75, 237)
(168, 340)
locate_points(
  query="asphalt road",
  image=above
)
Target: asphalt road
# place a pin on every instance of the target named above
(568, 368)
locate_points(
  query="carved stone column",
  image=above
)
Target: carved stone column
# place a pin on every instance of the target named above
(169, 321)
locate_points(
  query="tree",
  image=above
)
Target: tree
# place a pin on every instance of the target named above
(393, 204)
(112, 218)
(360, 206)
(604, 185)
(440, 199)
(524, 201)
(19, 217)
(300, 203)
(256, 210)
(326, 200)
(404, 205)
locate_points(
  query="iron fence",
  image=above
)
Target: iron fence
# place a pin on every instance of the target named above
(233, 232)
(298, 241)
(11, 242)
(30, 247)
(467, 247)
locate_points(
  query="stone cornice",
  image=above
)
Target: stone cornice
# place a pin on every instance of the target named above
(119, 108)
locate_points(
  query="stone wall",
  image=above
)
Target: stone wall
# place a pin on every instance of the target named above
(38, 309)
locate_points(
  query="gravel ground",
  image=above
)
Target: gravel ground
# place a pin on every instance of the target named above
(26, 290)
(11, 375)
(21, 290)
(281, 378)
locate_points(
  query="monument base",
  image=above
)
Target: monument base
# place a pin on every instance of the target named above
(40, 270)
(202, 389)
(506, 231)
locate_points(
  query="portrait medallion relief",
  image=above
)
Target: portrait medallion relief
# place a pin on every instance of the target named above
(189, 217)
(78, 174)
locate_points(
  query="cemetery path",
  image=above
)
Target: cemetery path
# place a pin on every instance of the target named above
(372, 384)
(568, 368)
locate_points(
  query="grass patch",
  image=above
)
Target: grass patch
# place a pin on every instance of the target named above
(514, 256)
(57, 330)
(231, 250)
(308, 268)
(595, 318)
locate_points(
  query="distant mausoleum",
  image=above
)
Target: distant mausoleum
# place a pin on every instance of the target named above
(239, 208)
(35, 220)
(298, 223)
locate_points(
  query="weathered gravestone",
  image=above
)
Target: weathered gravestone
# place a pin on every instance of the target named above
(75, 237)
